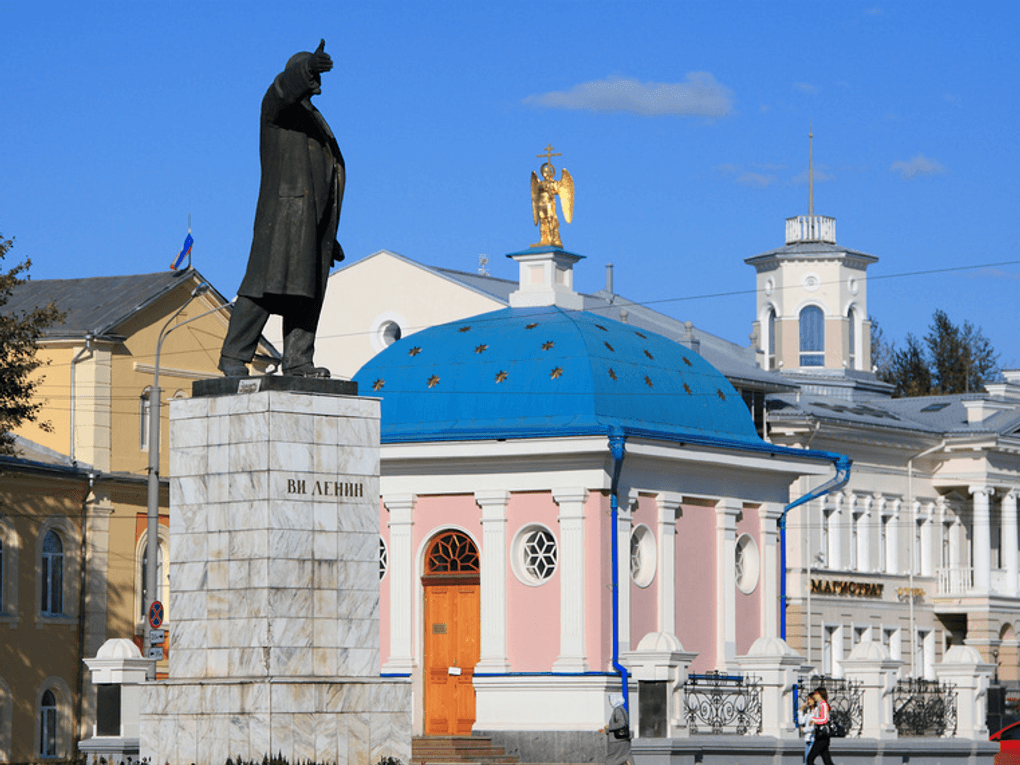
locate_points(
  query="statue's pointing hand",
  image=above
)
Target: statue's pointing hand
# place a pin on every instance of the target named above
(320, 61)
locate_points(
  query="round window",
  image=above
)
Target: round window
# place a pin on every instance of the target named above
(642, 555)
(747, 564)
(535, 555)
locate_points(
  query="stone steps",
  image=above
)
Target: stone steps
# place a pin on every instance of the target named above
(453, 750)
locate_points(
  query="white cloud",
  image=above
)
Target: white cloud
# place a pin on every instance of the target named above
(756, 180)
(919, 165)
(953, 99)
(699, 95)
(805, 87)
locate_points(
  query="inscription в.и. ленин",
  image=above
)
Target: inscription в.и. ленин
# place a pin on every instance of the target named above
(325, 488)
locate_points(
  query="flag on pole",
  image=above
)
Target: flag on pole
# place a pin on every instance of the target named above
(184, 253)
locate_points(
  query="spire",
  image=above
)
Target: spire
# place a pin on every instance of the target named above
(810, 172)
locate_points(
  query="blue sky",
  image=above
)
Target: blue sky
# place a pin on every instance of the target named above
(684, 126)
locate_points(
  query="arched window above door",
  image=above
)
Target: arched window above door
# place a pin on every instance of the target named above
(452, 552)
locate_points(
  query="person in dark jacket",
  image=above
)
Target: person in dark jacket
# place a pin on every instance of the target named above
(294, 242)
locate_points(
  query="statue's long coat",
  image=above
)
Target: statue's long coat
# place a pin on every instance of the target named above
(294, 242)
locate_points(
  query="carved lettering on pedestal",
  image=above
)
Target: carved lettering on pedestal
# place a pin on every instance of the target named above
(325, 488)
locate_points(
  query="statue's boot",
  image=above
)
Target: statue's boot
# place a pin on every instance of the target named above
(232, 367)
(307, 370)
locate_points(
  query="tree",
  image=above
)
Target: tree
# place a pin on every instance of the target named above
(18, 360)
(950, 359)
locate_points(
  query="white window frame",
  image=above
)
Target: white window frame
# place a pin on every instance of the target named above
(71, 541)
(518, 563)
(9, 578)
(832, 649)
(63, 719)
(163, 535)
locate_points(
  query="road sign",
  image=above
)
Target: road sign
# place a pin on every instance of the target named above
(156, 637)
(156, 615)
(156, 652)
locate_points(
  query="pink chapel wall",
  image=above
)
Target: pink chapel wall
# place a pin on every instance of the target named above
(533, 612)
(644, 605)
(748, 610)
(696, 582)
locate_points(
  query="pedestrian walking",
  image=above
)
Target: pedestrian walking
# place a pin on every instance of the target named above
(818, 706)
(618, 731)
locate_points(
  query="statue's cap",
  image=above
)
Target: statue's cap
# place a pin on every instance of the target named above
(297, 58)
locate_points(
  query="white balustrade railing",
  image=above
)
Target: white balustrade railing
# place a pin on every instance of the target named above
(956, 581)
(811, 228)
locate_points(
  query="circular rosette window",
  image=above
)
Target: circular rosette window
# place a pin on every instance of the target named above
(642, 555)
(748, 564)
(535, 555)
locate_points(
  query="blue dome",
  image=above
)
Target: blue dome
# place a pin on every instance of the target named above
(534, 372)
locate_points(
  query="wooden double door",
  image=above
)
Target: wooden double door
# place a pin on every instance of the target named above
(452, 635)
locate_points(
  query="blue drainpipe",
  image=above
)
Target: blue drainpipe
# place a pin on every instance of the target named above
(837, 482)
(617, 448)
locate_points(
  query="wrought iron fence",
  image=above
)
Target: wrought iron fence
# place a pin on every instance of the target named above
(846, 702)
(924, 707)
(718, 703)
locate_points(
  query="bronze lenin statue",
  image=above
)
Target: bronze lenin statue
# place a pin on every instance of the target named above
(294, 242)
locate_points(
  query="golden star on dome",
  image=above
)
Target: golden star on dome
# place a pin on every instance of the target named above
(378, 384)
(547, 345)
(556, 373)
(609, 347)
(465, 329)
(500, 376)
(721, 394)
(433, 381)
(688, 389)
(649, 355)
(612, 373)
(648, 381)
(414, 351)
(531, 326)
(481, 348)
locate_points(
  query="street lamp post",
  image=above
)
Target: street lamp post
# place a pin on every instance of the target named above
(152, 519)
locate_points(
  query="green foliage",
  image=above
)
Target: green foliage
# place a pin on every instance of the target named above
(950, 359)
(18, 334)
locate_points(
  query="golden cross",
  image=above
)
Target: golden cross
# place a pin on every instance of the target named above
(549, 154)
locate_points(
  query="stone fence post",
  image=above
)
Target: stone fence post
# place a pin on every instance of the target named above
(963, 667)
(118, 672)
(660, 665)
(778, 666)
(871, 665)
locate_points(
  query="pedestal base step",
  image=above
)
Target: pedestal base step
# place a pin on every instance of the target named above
(446, 750)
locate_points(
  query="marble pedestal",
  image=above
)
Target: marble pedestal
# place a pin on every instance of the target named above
(274, 576)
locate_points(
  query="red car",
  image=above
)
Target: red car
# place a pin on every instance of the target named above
(1009, 745)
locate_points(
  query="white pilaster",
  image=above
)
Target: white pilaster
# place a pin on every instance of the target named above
(624, 527)
(982, 537)
(726, 511)
(834, 543)
(401, 524)
(1010, 548)
(573, 656)
(668, 503)
(493, 651)
(768, 522)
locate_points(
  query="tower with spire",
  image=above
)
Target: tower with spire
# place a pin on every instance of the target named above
(812, 310)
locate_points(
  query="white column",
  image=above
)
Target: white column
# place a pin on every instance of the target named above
(834, 544)
(493, 651)
(401, 562)
(982, 538)
(1010, 548)
(768, 521)
(668, 503)
(726, 511)
(892, 557)
(864, 535)
(573, 656)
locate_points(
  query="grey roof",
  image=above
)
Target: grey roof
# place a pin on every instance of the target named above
(809, 249)
(97, 304)
(937, 415)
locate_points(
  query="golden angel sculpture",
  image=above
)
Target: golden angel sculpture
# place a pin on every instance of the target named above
(543, 201)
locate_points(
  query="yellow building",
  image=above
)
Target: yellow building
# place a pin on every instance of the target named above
(73, 502)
